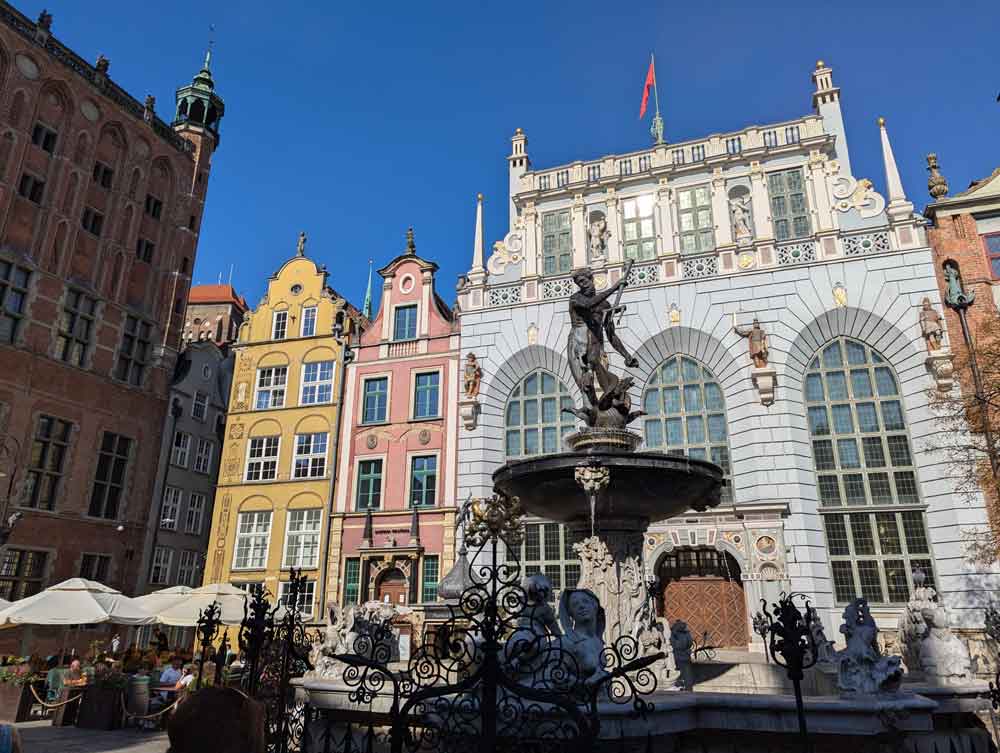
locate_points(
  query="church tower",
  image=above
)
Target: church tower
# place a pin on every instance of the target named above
(197, 118)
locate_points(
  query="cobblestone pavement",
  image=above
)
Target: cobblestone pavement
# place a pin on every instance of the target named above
(42, 737)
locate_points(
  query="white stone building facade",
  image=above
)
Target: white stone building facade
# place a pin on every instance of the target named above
(834, 490)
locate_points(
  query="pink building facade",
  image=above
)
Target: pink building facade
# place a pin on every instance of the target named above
(392, 534)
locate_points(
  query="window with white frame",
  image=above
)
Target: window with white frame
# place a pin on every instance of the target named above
(640, 234)
(423, 481)
(694, 215)
(369, 484)
(253, 530)
(262, 458)
(310, 455)
(279, 325)
(199, 406)
(317, 383)
(203, 455)
(163, 560)
(180, 453)
(306, 600)
(271, 383)
(405, 323)
(171, 508)
(197, 503)
(308, 321)
(302, 538)
(252, 587)
(789, 210)
(375, 400)
(425, 395)
(187, 568)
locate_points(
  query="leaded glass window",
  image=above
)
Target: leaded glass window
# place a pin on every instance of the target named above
(536, 424)
(865, 474)
(789, 209)
(686, 414)
(557, 243)
(534, 418)
(640, 234)
(694, 215)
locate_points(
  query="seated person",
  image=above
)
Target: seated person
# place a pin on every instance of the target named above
(75, 678)
(217, 720)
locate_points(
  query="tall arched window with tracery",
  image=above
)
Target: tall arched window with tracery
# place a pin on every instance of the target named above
(686, 414)
(535, 424)
(868, 493)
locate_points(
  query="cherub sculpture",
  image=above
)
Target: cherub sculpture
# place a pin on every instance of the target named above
(534, 626)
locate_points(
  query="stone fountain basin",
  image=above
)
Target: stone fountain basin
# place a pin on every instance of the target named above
(647, 486)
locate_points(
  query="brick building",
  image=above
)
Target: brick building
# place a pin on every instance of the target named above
(215, 313)
(965, 228)
(100, 206)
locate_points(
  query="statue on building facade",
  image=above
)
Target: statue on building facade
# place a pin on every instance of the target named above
(592, 319)
(598, 235)
(472, 376)
(930, 326)
(954, 294)
(740, 209)
(757, 341)
(862, 667)
(825, 653)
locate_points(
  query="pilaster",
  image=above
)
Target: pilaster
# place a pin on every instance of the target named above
(720, 210)
(578, 224)
(761, 204)
(664, 216)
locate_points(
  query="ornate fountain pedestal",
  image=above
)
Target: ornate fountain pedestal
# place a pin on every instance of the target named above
(608, 494)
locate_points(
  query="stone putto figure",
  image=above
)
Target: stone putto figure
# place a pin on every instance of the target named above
(862, 668)
(582, 620)
(930, 326)
(757, 341)
(472, 376)
(536, 623)
(681, 644)
(591, 320)
(740, 208)
(598, 235)
(944, 657)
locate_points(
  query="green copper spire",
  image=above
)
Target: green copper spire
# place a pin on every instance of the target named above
(366, 309)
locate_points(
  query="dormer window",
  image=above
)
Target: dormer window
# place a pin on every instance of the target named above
(405, 323)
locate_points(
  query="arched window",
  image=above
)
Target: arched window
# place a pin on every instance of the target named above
(536, 424)
(686, 413)
(865, 474)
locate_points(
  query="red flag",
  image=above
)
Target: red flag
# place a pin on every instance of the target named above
(650, 82)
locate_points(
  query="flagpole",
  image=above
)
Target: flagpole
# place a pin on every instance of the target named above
(656, 129)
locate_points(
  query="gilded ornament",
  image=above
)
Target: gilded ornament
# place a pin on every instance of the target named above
(840, 295)
(499, 516)
(745, 260)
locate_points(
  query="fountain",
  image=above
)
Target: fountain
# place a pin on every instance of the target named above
(603, 488)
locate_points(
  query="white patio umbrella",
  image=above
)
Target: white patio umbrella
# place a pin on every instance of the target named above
(166, 597)
(185, 612)
(76, 602)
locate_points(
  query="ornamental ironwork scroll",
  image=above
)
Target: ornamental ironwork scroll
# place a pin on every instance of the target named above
(492, 678)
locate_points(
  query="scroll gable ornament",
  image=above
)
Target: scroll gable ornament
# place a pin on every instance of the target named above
(850, 193)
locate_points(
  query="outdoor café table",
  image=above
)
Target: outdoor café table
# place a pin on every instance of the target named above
(65, 714)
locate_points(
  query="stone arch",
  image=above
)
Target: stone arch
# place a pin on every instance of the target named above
(55, 103)
(655, 556)
(516, 367)
(81, 149)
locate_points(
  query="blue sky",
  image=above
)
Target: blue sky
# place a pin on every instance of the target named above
(353, 120)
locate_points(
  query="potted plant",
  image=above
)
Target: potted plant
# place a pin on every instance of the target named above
(101, 707)
(15, 691)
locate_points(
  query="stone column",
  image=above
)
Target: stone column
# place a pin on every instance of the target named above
(578, 225)
(532, 264)
(667, 243)
(763, 227)
(613, 214)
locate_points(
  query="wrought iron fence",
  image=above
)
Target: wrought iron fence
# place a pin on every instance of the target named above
(492, 679)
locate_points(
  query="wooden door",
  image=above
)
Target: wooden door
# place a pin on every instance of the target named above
(392, 587)
(702, 587)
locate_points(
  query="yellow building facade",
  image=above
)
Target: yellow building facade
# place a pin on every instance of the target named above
(272, 502)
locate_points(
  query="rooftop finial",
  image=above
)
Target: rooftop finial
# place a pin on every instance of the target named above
(366, 309)
(211, 43)
(937, 184)
(411, 247)
(300, 248)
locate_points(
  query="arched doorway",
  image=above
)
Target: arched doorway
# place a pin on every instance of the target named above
(391, 587)
(703, 588)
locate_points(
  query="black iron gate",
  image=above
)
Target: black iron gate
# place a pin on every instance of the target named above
(489, 681)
